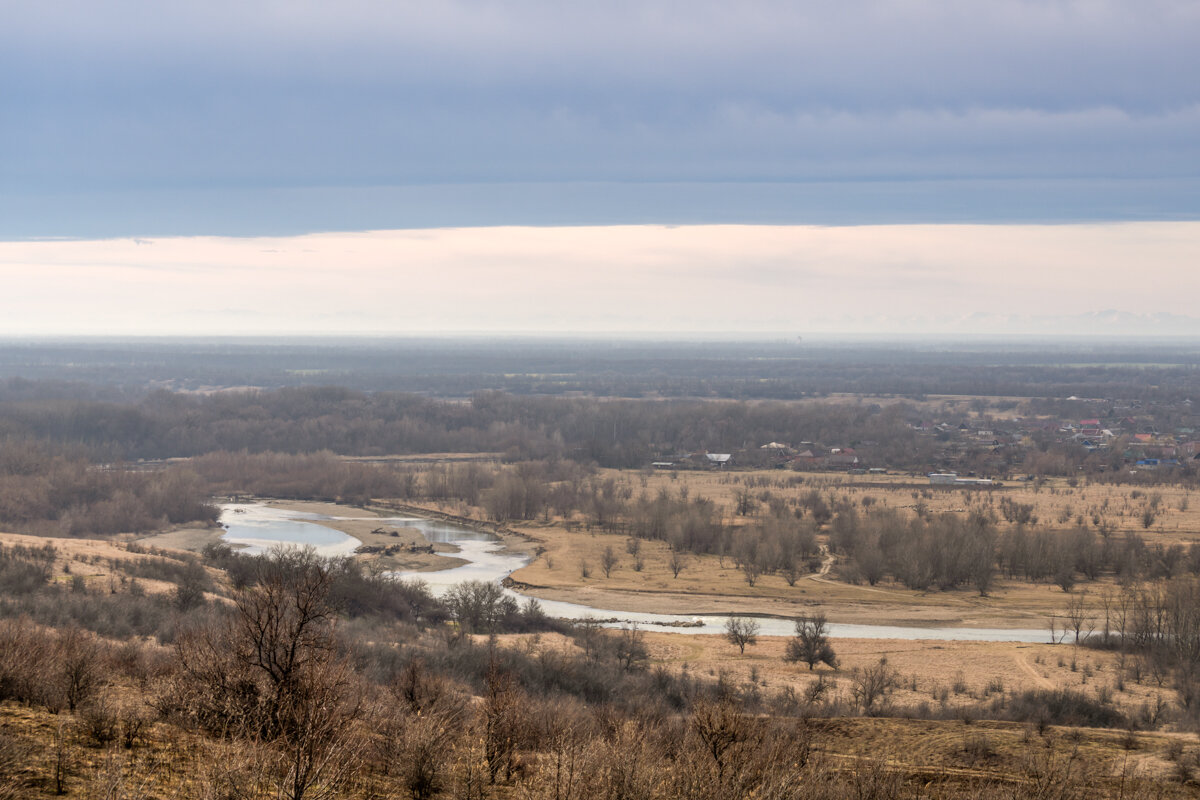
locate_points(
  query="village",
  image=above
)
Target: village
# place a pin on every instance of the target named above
(962, 447)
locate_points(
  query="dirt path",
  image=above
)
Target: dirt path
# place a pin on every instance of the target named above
(826, 563)
(1028, 669)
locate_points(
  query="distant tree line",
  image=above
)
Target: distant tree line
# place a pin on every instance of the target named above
(53, 490)
(710, 369)
(608, 433)
(624, 433)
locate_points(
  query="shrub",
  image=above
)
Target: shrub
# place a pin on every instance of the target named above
(1063, 707)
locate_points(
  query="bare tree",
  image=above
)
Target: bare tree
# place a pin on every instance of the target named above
(677, 563)
(634, 547)
(272, 671)
(562, 771)
(79, 671)
(631, 648)
(727, 736)
(791, 571)
(752, 570)
(811, 642)
(320, 748)
(503, 715)
(415, 734)
(608, 560)
(591, 634)
(1079, 617)
(1052, 623)
(871, 685)
(740, 631)
(479, 606)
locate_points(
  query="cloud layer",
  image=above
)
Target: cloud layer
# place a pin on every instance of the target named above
(113, 110)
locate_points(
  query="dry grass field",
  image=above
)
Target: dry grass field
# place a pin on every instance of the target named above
(932, 678)
(710, 584)
(947, 757)
(89, 562)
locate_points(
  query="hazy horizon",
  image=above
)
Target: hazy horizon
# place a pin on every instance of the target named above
(1109, 279)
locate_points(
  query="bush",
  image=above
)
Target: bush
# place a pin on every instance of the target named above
(99, 722)
(1062, 707)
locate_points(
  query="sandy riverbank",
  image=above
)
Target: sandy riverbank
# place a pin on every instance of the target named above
(370, 527)
(405, 549)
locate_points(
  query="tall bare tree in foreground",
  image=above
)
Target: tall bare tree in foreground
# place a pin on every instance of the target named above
(272, 671)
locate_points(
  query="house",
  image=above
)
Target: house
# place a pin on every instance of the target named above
(842, 459)
(718, 459)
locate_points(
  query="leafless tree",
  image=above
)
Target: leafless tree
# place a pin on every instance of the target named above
(791, 571)
(78, 665)
(741, 631)
(563, 772)
(1079, 617)
(320, 747)
(811, 642)
(608, 561)
(752, 570)
(871, 685)
(677, 563)
(727, 738)
(271, 672)
(415, 738)
(631, 648)
(503, 714)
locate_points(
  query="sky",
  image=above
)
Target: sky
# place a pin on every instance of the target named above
(973, 279)
(872, 160)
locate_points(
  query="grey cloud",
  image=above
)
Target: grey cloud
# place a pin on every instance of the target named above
(250, 96)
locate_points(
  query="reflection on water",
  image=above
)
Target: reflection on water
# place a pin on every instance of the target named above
(262, 526)
(257, 528)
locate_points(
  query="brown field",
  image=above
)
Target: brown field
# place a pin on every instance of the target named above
(709, 584)
(948, 758)
(964, 671)
(89, 561)
(942, 677)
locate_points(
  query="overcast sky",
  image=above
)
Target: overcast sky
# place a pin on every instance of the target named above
(137, 119)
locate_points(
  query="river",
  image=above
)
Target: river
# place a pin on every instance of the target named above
(256, 528)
